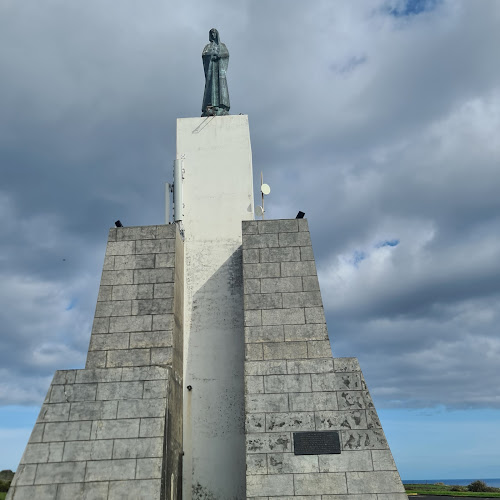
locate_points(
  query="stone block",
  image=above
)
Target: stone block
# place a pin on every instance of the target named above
(98, 375)
(302, 299)
(37, 433)
(130, 324)
(310, 283)
(254, 384)
(266, 270)
(268, 226)
(161, 356)
(137, 489)
(276, 484)
(148, 468)
(288, 225)
(130, 292)
(253, 318)
(42, 452)
(64, 472)
(115, 429)
(108, 341)
(306, 332)
(382, 460)
(364, 440)
(260, 240)
(120, 390)
(100, 325)
(136, 233)
(152, 427)
(351, 400)
(151, 339)
(143, 261)
(93, 410)
(262, 301)
(79, 451)
(342, 419)
(82, 491)
(120, 248)
(112, 234)
(152, 306)
(155, 246)
(67, 431)
(141, 408)
(161, 275)
(346, 365)
(268, 442)
(254, 334)
(251, 256)
(166, 231)
(138, 448)
(104, 293)
(283, 316)
(303, 225)
(128, 357)
(123, 277)
(287, 383)
(249, 227)
(165, 260)
(257, 463)
(273, 367)
(253, 352)
(290, 421)
(374, 482)
(315, 315)
(306, 253)
(162, 291)
(346, 461)
(335, 381)
(285, 350)
(273, 285)
(40, 492)
(25, 475)
(320, 483)
(110, 470)
(319, 349)
(288, 463)
(372, 420)
(280, 254)
(73, 392)
(260, 403)
(310, 366)
(64, 377)
(251, 286)
(255, 422)
(54, 412)
(389, 496)
(163, 322)
(95, 359)
(299, 239)
(145, 373)
(305, 268)
(313, 401)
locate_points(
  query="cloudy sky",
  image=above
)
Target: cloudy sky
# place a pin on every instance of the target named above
(379, 119)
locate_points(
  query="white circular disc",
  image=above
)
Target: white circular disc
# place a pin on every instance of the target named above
(259, 211)
(265, 189)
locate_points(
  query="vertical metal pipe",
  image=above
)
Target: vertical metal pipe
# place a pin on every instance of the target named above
(178, 206)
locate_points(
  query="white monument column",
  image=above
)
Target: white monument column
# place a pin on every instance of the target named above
(217, 192)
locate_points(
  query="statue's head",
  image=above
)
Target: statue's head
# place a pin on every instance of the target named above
(213, 35)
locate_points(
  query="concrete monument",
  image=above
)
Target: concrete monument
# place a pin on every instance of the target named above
(209, 373)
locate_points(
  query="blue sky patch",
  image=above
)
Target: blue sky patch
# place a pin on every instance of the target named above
(387, 243)
(72, 304)
(357, 257)
(412, 7)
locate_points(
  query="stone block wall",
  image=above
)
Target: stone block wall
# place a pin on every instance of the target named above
(114, 429)
(293, 384)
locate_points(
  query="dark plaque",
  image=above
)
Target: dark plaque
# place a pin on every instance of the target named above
(316, 443)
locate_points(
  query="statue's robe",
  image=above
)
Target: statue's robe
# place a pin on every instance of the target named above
(215, 61)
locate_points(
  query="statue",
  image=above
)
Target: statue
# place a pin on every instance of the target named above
(215, 60)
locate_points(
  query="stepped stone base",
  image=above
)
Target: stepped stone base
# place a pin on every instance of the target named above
(114, 429)
(293, 384)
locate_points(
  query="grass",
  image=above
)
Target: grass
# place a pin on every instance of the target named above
(2, 496)
(446, 490)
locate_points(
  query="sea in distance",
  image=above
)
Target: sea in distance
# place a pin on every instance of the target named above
(457, 482)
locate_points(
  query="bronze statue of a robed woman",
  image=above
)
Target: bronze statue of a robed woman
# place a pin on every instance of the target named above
(215, 61)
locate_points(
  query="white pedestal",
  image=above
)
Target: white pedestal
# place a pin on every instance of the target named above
(217, 195)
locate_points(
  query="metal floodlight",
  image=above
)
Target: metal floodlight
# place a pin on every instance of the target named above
(118, 224)
(300, 215)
